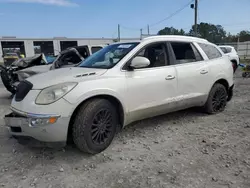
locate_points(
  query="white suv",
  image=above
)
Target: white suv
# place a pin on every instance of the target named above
(232, 54)
(120, 84)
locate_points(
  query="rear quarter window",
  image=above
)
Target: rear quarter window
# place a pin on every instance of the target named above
(211, 51)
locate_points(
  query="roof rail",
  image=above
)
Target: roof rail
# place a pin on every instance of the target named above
(175, 36)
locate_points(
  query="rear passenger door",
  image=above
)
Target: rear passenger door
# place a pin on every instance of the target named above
(192, 73)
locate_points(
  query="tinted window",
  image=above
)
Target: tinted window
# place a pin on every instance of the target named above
(185, 52)
(156, 53)
(211, 51)
(95, 49)
(223, 49)
(229, 50)
(226, 50)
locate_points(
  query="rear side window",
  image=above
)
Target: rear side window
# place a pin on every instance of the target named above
(223, 49)
(229, 50)
(185, 52)
(226, 50)
(211, 51)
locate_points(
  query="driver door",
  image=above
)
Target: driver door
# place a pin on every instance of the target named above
(151, 90)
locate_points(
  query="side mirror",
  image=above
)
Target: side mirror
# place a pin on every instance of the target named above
(139, 62)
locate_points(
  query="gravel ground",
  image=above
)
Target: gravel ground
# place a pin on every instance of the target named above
(184, 149)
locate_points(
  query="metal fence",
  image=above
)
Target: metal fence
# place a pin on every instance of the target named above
(243, 48)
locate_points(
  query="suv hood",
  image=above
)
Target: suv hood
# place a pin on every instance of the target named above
(72, 74)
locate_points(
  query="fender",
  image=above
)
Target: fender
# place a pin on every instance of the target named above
(77, 101)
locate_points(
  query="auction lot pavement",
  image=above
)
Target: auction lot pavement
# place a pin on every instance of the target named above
(185, 149)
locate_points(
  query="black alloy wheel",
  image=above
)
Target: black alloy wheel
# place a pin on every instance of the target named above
(95, 125)
(101, 126)
(219, 100)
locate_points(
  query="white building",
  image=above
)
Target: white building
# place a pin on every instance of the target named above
(48, 46)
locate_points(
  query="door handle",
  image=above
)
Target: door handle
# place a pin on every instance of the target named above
(204, 72)
(170, 77)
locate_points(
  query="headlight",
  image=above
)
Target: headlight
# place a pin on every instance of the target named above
(53, 93)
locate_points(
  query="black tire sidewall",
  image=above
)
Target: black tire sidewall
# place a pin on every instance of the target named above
(244, 74)
(208, 106)
(86, 120)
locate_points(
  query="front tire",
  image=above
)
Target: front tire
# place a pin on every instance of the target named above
(217, 99)
(95, 126)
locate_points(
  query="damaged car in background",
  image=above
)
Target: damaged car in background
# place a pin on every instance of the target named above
(26, 67)
(9, 74)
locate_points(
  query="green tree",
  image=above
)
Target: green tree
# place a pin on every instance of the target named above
(171, 31)
(244, 36)
(211, 32)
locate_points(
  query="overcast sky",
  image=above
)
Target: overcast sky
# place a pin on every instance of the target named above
(99, 18)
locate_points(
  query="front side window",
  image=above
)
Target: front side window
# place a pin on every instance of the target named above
(109, 56)
(211, 51)
(185, 52)
(156, 53)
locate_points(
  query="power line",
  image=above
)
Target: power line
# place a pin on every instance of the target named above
(173, 14)
(130, 28)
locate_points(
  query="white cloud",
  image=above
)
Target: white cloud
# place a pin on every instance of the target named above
(47, 2)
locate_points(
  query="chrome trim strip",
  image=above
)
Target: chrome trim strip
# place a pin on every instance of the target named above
(32, 115)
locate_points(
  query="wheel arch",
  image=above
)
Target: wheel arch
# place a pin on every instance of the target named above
(222, 81)
(114, 100)
(234, 61)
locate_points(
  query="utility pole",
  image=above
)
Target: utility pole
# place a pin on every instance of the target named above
(119, 34)
(141, 33)
(195, 17)
(195, 7)
(148, 30)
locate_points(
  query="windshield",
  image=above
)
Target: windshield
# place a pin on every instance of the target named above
(109, 56)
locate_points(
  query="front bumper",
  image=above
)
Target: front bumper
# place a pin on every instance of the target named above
(38, 126)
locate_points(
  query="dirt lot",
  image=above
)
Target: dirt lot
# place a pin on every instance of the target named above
(184, 149)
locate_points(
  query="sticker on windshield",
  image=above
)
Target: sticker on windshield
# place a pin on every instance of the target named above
(125, 46)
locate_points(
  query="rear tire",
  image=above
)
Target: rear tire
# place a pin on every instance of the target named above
(95, 126)
(217, 99)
